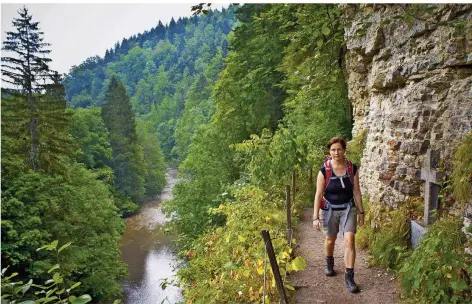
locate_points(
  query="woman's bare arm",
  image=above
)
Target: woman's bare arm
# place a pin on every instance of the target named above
(320, 184)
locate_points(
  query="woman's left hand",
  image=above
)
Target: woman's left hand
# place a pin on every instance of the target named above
(361, 219)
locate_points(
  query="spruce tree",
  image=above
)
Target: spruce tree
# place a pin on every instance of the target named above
(127, 159)
(29, 67)
(172, 30)
(108, 56)
(27, 70)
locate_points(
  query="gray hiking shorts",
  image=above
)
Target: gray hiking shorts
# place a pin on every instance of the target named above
(331, 225)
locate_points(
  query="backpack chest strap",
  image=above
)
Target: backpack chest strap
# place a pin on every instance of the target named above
(341, 179)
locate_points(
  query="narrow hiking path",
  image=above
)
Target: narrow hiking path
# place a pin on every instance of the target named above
(312, 286)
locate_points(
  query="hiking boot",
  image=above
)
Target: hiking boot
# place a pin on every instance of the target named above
(329, 269)
(350, 284)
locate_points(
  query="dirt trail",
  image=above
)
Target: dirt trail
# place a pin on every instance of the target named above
(312, 286)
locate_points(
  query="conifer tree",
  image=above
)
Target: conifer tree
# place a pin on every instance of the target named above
(127, 159)
(29, 67)
(28, 70)
(53, 127)
(172, 30)
(160, 31)
(124, 46)
(117, 50)
(108, 56)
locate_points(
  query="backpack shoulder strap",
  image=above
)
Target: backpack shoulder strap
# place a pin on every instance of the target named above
(328, 170)
(350, 171)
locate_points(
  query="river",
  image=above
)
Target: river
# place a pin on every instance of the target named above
(149, 254)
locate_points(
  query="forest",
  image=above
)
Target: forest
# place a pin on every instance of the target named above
(239, 100)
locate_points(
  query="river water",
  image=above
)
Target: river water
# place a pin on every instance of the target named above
(148, 253)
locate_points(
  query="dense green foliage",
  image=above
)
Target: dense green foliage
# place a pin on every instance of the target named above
(168, 73)
(37, 208)
(89, 132)
(437, 271)
(389, 243)
(53, 290)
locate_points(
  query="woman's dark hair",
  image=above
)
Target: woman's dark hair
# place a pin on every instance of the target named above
(336, 140)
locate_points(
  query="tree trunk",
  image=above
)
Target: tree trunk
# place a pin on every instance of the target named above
(33, 127)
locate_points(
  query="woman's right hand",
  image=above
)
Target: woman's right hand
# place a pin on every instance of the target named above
(317, 224)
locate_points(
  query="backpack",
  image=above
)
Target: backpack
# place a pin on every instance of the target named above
(329, 175)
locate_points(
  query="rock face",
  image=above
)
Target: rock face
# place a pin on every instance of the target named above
(411, 88)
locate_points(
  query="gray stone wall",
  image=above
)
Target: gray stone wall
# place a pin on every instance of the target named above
(411, 88)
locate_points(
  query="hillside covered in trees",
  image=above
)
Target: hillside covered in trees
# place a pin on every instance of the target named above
(168, 73)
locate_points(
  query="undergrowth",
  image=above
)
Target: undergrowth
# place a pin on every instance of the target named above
(385, 233)
(226, 265)
(462, 174)
(437, 271)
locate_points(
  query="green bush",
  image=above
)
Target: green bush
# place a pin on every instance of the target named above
(53, 290)
(436, 272)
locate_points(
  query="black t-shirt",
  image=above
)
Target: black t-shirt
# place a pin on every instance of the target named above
(335, 193)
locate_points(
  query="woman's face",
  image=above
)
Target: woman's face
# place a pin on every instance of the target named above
(336, 151)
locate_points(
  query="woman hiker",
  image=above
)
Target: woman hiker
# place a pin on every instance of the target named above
(338, 196)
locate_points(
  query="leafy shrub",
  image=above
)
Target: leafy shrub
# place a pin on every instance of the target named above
(226, 265)
(305, 186)
(53, 289)
(436, 272)
(38, 208)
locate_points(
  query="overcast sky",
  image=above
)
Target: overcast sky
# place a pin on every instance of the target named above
(79, 31)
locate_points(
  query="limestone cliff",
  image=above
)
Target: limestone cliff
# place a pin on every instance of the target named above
(411, 88)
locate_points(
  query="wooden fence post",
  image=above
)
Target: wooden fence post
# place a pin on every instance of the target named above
(274, 266)
(294, 185)
(289, 215)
